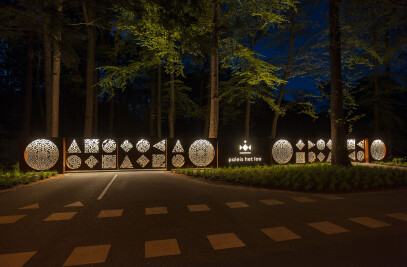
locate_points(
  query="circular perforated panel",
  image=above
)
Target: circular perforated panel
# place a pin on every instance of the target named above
(41, 154)
(109, 145)
(201, 153)
(143, 146)
(378, 150)
(282, 151)
(321, 144)
(178, 161)
(73, 162)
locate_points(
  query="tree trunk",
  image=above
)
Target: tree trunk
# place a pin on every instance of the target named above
(56, 77)
(153, 91)
(90, 68)
(28, 89)
(48, 80)
(171, 114)
(38, 92)
(159, 101)
(339, 152)
(111, 116)
(247, 117)
(214, 111)
(95, 104)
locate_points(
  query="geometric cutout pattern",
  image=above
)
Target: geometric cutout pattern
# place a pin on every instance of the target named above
(299, 157)
(178, 148)
(143, 161)
(143, 146)
(109, 145)
(329, 144)
(160, 145)
(201, 153)
(158, 161)
(320, 144)
(311, 157)
(88, 255)
(329, 157)
(361, 144)
(282, 151)
(108, 161)
(158, 248)
(91, 162)
(73, 162)
(224, 241)
(310, 144)
(378, 150)
(41, 154)
(91, 145)
(300, 144)
(360, 155)
(178, 161)
(126, 146)
(321, 156)
(352, 155)
(74, 148)
(351, 144)
(126, 164)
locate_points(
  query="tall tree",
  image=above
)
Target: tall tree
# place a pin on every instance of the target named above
(214, 72)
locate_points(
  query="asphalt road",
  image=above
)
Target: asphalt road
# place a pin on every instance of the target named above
(113, 224)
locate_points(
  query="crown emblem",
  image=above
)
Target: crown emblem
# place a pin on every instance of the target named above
(245, 149)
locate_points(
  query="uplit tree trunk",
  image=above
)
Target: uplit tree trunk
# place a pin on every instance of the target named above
(339, 152)
(214, 108)
(208, 114)
(28, 89)
(111, 116)
(171, 114)
(159, 101)
(48, 80)
(90, 67)
(38, 91)
(376, 99)
(95, 104)
(153, 91)
(247, 117)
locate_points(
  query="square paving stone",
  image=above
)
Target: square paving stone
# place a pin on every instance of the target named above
(400, 216)
(200, 207)
(303, 199)
(158, 248)
(369, 222)
(328, 228)
(280, 233)
(60, 216)
(156, 210)
(110, 213)
(237, 204)
(88, 255)
(10, 219)
(271, 202)
(16, 259)
(224, 241)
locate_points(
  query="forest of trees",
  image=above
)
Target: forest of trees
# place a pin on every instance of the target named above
(207, 68)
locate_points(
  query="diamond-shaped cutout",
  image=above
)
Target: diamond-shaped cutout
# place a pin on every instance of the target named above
(329, 144)
(300, 144)
(143, 161)
(126, 146)
(321, 156)
(310, 144)
(91, 162)
(329, 157)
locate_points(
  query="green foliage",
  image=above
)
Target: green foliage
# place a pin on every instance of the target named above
(15, 176)
(314, 177)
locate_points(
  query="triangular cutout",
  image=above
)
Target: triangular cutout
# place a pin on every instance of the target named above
(75, 204)
(74, 148)
(178, 147)
(352, 155)
(361, 144)
(310, 144)
(160, 145)
(126, 164)
(31, 207)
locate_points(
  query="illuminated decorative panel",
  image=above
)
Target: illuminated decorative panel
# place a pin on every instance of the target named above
(329, 144)
(360, 155)
(160, 145)
(178, 161)
(201, 153)
(91, 145)
(143, 161)
(91, 162)
(126, 146)
(41, 154)
(143, 146)
(351, 144)
(158, 161)
(321, 156)
(321, 144)
(300, 144)
(310, 144)
(74, 148)
(361, 144)
(178, 147)
(352, 155)
(311, 157)
(282, 151)
(73, 162)
(329, 157)
(108, 161)
(378, 150)
(109, 145)
(300, 157)
(126, 164)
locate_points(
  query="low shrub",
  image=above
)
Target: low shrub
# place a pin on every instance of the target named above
(15, 177)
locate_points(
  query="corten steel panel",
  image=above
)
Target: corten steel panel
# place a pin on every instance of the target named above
(386, 148)
(326, 151)
(232, 152)
(59, 165)
(186, 145)
(135, 153)
(357, 149)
